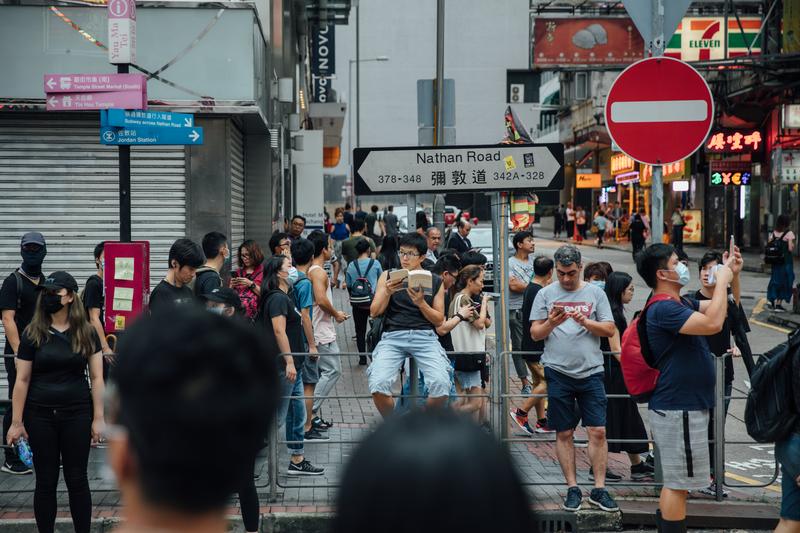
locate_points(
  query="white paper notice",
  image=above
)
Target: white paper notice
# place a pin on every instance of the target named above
(123, 268)
(123, 299)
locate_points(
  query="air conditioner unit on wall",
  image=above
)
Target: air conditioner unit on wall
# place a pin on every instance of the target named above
(517, 93)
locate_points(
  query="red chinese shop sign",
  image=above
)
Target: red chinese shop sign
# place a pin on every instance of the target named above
(734, 142)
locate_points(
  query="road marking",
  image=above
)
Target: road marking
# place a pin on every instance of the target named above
(750, 481)
(770, 326)
(659, 111)
(759, 306)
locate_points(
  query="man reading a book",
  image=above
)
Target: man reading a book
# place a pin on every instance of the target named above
(412, 301)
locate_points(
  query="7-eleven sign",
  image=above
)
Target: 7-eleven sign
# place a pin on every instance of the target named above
(702, 38)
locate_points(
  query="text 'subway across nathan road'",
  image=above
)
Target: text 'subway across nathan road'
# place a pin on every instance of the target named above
(458, 168)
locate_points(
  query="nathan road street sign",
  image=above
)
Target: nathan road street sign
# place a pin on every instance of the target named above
(142, 136)
(442, 169)
(93, 83)
(122, 118)
(659, 110)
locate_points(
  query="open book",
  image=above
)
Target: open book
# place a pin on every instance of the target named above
(414, 279)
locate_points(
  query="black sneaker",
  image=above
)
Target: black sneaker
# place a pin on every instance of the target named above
(779, 309)
(15, 468)
(573, 500)
(641, 471)
(304, 468)
(320, 424)
(611, 477)
(602, 499)
(315, 434)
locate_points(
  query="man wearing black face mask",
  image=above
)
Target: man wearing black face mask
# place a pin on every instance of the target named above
(17, 303)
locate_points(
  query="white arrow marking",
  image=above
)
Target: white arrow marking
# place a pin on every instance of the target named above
(51, 83)
(659, 111)
(53, 100)
(194, 136)
(187, 122)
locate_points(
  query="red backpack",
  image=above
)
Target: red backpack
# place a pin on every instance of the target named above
(637, 359)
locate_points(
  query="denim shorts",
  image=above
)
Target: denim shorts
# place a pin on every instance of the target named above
(468, 380)
(562, 394)
(787, 452)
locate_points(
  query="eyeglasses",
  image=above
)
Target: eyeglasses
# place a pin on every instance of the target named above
(408, 254)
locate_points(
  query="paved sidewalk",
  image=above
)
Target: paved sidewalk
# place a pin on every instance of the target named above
(353, 419)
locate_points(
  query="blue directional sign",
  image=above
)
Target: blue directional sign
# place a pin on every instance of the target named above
(122, 118)
(141, 136)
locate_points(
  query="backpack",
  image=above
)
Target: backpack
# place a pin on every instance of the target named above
(774, 251)
(202, 270)
(361, 289)
(18, 277)
(770, 413)
(295, 293)
(637, 359)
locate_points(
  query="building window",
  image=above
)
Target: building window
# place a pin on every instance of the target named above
(581, 85)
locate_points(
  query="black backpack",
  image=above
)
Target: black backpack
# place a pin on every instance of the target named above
(775, 250)
(770, 413)
(202, 270)
(361, 289)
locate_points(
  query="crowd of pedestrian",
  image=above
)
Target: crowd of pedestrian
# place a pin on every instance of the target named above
(410, 297)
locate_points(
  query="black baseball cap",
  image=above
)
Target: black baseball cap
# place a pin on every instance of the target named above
(225, 296)
(33, 237)
(60, 280)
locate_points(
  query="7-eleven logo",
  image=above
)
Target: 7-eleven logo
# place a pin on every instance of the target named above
(702, 38)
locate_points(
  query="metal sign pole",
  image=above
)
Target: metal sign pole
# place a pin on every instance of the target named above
(501, 340)
(413, 370)
(657, 202)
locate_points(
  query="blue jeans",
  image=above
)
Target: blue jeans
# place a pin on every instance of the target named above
(787, 453)
(292, 412)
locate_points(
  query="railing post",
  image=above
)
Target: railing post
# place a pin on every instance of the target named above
(272, 461)
(494, 393)
(719, 427)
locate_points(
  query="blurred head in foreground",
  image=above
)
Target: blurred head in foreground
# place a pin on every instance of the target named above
(431, 471)
(187, 387)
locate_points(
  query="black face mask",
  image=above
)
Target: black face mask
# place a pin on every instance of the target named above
(32, 261)
(52, 303)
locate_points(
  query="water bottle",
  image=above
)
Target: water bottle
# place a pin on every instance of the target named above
(24, 452)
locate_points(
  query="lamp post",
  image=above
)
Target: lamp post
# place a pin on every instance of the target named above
(357, 106)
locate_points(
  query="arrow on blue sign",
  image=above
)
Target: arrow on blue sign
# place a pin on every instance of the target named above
(122, 118)
(143, 136)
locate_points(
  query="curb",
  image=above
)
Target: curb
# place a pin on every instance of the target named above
(759, 269)
(587, 520)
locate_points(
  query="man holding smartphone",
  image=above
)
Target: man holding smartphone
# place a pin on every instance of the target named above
(323, 315)
(570, 317)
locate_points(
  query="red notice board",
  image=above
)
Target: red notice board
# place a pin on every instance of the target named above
(127, 283)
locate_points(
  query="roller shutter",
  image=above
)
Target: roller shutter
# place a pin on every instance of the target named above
(56, 178)
(236, 161)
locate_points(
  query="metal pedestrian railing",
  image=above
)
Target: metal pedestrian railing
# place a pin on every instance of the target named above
(499, 398)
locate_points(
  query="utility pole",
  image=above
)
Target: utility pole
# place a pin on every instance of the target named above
(438, 137)
(657, 49)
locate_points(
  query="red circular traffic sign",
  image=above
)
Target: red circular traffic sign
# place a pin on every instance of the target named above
(659, 110)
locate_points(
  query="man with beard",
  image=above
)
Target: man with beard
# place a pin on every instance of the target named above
(17, 303)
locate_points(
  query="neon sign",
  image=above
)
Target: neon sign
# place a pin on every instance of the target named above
(734, 141)
(621, 163)
(730, 178)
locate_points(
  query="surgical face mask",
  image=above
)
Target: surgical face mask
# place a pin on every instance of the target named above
(599, 283)
(216, 310)
(683, 275)
(293, 276)
(52, 303)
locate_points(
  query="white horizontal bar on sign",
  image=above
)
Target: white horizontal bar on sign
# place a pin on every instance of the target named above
(659, 111)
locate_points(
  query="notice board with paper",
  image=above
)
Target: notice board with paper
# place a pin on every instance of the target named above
(127, 283)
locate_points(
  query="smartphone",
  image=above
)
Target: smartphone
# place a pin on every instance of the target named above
(493, 295)
(731, 248)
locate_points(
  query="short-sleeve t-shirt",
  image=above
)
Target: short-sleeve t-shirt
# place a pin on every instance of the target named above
(166, 295)
(58, 376)
(570, 349)
(521, 271)
(278, 303)
(206, 282)
(349, 251)
(686, 381)
(303, 299)
(93, 297)
(528, 344)
(8, 302)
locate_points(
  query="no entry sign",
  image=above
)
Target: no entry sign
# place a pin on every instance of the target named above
(659, 110)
